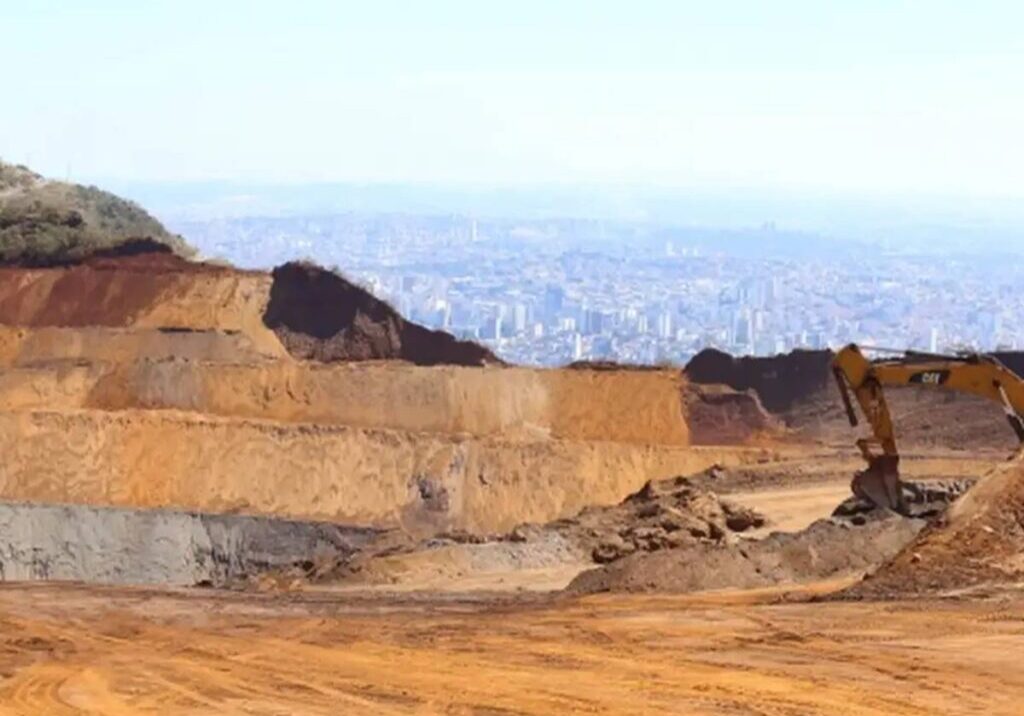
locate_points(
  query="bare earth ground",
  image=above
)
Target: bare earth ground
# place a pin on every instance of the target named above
(71, 649)
(495, 648)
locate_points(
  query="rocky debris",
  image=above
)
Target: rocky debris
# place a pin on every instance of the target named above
(828, 548)
(719, 415)
(667, 514)
(924, 500)
(319, 315)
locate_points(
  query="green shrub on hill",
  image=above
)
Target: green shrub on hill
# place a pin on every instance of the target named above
(45, 222)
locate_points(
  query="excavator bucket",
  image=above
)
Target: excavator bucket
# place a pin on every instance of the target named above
(880, 483)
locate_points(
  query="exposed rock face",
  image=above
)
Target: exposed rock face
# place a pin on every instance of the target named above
(126, 546)
(318, 315)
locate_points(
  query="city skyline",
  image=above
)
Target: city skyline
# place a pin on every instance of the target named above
(549, 292)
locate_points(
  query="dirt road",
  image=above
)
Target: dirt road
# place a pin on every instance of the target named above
(68, 649)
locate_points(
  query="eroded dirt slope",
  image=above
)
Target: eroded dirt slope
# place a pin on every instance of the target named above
(979, 542)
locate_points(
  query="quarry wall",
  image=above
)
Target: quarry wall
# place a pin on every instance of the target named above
(644, 407)
(351, 475)
(149, 382)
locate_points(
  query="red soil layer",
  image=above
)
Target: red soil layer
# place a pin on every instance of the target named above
(318, 315)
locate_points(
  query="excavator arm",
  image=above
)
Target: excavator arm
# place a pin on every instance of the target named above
(977, 374)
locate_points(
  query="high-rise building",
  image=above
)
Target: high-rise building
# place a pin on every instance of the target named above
(520, 316)
(554, 300)
(665, 325)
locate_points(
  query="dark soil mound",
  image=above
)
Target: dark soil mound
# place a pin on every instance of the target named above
(319, 315)
(780, 381)
(799, 389)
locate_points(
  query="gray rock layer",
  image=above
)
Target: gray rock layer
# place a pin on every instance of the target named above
(125, 546)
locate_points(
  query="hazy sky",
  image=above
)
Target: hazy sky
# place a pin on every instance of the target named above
(870, 95)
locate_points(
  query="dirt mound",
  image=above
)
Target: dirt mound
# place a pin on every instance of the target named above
(980, 541)
(924, 418)
(310, 312)
(780, 381)
(318, 315)
(664, 514)
(825, 549)
(719, 415)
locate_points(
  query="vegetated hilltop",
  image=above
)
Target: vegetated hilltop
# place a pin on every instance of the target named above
(45, 222)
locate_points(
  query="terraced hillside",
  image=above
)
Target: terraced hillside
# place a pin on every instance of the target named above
(150, 381)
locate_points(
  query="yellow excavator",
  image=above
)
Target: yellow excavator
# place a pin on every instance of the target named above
(978, 374)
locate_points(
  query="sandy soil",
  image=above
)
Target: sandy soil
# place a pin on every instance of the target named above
(68, 649)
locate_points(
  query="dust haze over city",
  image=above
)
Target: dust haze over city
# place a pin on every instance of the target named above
(573, 180)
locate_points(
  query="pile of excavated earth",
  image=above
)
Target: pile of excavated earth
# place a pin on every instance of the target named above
(165, 421)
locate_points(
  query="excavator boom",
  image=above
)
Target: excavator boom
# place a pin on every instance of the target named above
(977, 374)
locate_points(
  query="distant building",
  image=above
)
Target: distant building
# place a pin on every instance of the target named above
(577, 346)
(554, 300)
(665, 325)
(520, 315)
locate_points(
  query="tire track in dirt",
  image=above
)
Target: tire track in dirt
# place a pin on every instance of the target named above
(314, 654)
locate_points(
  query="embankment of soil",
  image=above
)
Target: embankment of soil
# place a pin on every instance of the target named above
(980, 541)
(418, 481)
(642, 407)
(719, 415)
(781, 382)
(798, 388)
(34, 347)
(312, 313)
